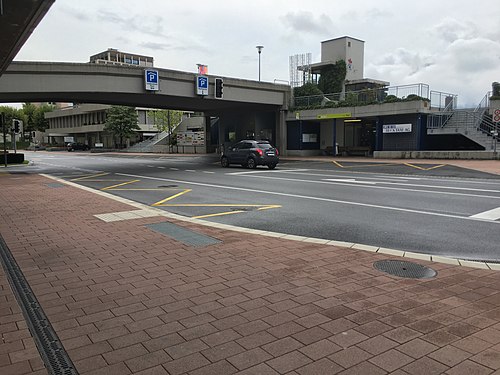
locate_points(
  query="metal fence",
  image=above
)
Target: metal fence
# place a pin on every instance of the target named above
(376, 96)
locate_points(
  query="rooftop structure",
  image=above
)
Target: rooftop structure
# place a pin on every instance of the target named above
(115, 57)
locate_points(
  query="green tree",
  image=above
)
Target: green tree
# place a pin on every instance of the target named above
(166, 120)
(307, 89)
(40, 122)
(10, 113)
(121, 122)
(29, 114)
(332, 77)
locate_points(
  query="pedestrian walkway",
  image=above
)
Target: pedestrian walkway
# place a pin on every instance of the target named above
(149, 294)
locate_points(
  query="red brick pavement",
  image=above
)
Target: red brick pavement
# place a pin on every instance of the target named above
(124, 299)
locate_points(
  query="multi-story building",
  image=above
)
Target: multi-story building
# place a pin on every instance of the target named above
(84, 123)
(115, 57)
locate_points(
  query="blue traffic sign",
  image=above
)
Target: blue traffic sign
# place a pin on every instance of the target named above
(152, 80)
(201, 85)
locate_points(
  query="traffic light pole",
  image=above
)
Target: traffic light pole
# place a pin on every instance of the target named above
(2, 119)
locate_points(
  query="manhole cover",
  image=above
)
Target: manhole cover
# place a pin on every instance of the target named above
(404, 269)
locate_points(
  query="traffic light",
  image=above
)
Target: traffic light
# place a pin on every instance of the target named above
(219, 88)
(16, 126)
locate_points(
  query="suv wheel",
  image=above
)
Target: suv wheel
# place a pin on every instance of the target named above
(251, 163)
(271, 166)
(224, 162)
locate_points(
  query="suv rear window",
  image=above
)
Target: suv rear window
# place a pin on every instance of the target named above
(264, 145)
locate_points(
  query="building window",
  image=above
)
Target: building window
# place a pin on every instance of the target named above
(348, 44)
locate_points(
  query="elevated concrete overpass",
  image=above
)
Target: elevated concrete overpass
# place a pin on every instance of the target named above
(248, 108)
(107, 84)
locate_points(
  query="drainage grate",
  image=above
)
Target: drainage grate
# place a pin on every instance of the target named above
(167, 186)
(406, 269)
(183, 235)
(51, 350)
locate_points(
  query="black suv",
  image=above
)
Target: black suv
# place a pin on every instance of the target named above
(73, 146)
(250, 153)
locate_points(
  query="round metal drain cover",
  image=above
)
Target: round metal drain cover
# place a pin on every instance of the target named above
(404, 269)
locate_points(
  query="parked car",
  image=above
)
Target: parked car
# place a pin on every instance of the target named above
(251, 153)
(74, 146)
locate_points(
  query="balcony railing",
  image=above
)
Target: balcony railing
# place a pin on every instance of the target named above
(390, 94)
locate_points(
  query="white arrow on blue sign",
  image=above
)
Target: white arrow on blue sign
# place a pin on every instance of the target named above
(201, 85)
(152, 80)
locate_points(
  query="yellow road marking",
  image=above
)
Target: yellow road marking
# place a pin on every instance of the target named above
(436, 166)
(117, 185)
(89, 176)
(362, 165)
(145, 189)
(269, 207)
(159, 203)
(217, 205)
(422, 168)
(219, 214)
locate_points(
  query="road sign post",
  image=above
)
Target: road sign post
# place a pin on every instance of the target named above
(152, 80)
(496, 115)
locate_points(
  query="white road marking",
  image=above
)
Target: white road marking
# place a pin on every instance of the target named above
(352, 180)
(161, 167)
(359, 204)
(385, 181)
(493, 214)
(266, 171)
(208, 172)
(174, 169)
(384, 187)
(190, 170)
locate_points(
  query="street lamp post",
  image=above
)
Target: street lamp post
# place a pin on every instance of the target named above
(259, 49)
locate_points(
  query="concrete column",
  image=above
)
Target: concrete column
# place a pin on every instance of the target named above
(379, 141)
(334, 145)
(421, 131)
(281, 132)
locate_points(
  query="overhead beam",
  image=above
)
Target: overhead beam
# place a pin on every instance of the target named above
(18, 19)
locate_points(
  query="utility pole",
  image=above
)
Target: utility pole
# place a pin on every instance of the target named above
(2, 119)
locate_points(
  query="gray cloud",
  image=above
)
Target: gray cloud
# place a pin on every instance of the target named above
(402, 58)
(307, 22)
(76, 13)
(147, 25)
(451, 30)
(156, 46)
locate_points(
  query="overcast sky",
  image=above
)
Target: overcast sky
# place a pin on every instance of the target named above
(452, 45)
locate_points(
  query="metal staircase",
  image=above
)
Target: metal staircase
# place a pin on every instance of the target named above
(474, 124)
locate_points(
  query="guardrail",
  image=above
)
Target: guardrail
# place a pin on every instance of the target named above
(388, 94)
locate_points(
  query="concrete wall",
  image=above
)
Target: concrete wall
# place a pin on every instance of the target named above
(436, 155)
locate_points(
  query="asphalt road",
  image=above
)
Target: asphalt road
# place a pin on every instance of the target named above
(437, 209)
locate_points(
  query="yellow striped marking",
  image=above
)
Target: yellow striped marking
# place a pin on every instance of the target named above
(118, 185)
(160, 203)
(89, 176)
(219, 214)
(361, 165)
(422, 168)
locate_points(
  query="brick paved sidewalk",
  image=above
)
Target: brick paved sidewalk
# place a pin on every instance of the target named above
(126, 299)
